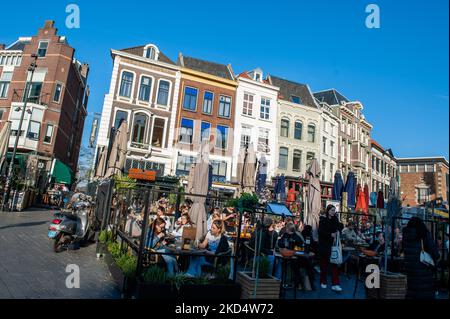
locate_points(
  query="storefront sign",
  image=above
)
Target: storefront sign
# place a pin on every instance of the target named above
(141, 174)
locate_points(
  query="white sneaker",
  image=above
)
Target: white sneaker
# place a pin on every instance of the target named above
(324, 286)
(336, 288)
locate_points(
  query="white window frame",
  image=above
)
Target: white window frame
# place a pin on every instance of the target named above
(266, 108)
(243, 129)
(169, 95)
(133, 84)
(156, 51)
(146, 130)
(45, 133)
(248, 103)
(151, 89)
(227, 137)
(46, 50)
(60, 95)
(212, 102)
(209, 133)
(153, 118)
(184, 95)
(231, 106)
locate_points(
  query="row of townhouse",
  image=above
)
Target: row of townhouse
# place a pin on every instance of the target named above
(171, 107)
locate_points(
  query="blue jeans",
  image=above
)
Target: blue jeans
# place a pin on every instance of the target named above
(171, 262)
(277, 265)
(195, 265)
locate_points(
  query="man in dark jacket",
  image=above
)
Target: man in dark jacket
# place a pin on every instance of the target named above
(329, 226)
(419, 276)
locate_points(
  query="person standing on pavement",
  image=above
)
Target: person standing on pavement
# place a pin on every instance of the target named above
(329, 226)
(416, 238)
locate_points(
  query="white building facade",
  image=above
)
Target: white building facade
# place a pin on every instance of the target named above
(256, 118)
(329, 139)
(144, 92)
(298, 128)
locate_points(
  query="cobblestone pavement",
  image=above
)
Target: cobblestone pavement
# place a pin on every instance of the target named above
(30, 269)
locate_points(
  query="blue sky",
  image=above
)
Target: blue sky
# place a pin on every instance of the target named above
(399, 72)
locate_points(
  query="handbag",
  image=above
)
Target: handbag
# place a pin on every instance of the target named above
(425, 258)
(336, 251)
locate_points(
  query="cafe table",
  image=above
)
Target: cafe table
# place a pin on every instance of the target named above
(285, 261)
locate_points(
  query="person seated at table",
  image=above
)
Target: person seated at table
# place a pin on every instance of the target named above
(229, 218)
(161, 213)
(185, 222)
(183, 210)
(310, 244)
(349, 234)
(155, 241)
(214, 216)
(268, 239)
(378, 244)
(288, 220)
(290, 240)
(215, 242)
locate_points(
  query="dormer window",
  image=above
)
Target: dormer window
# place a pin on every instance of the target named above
(151, 52)
(258, 77)
(296, 99)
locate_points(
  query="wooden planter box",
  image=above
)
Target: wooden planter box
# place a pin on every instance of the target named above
(392, 286)
(268, 288)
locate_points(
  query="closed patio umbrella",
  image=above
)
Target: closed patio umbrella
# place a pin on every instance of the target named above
(100, 171)
(367, 195)
(314, 198)
(249, 170)
(200, 187)
(380, 199)
(4, 141)
(246, 169)
(361, 205)
(350, 189)
(117, 156)
(338, 186)
(394, 208)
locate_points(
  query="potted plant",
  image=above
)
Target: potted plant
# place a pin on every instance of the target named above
(267, 286)
(154, 284)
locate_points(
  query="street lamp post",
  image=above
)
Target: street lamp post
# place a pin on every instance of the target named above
(31, 69)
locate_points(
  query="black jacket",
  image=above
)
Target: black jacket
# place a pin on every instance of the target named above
(268, 241)
(327, 226)
(289, 241)
(221, 248)
(419, 276)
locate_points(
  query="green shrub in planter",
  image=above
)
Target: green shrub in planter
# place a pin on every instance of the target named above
(105, 236)
(155, 275)
(128, 265)
(114, 249)
(264, 267)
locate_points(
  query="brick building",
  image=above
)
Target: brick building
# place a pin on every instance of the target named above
(53, 123)
(206, 111)
(423, 179)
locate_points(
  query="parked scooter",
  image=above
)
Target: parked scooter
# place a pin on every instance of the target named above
(72, 226)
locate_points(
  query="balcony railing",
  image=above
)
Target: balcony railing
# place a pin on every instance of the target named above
(36, 97)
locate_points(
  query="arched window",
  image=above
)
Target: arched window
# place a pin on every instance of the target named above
(298, 130)
(140, 123)
(151, 52)
(283, 158)
(284, 127)
(311, 133)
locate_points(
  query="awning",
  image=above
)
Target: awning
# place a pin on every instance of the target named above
(20, 160)
(62, 173)
(278, 209)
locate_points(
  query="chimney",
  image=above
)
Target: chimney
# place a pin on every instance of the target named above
(49, 24)
(84, 70)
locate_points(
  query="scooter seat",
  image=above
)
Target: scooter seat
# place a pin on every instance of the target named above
(70, 216)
